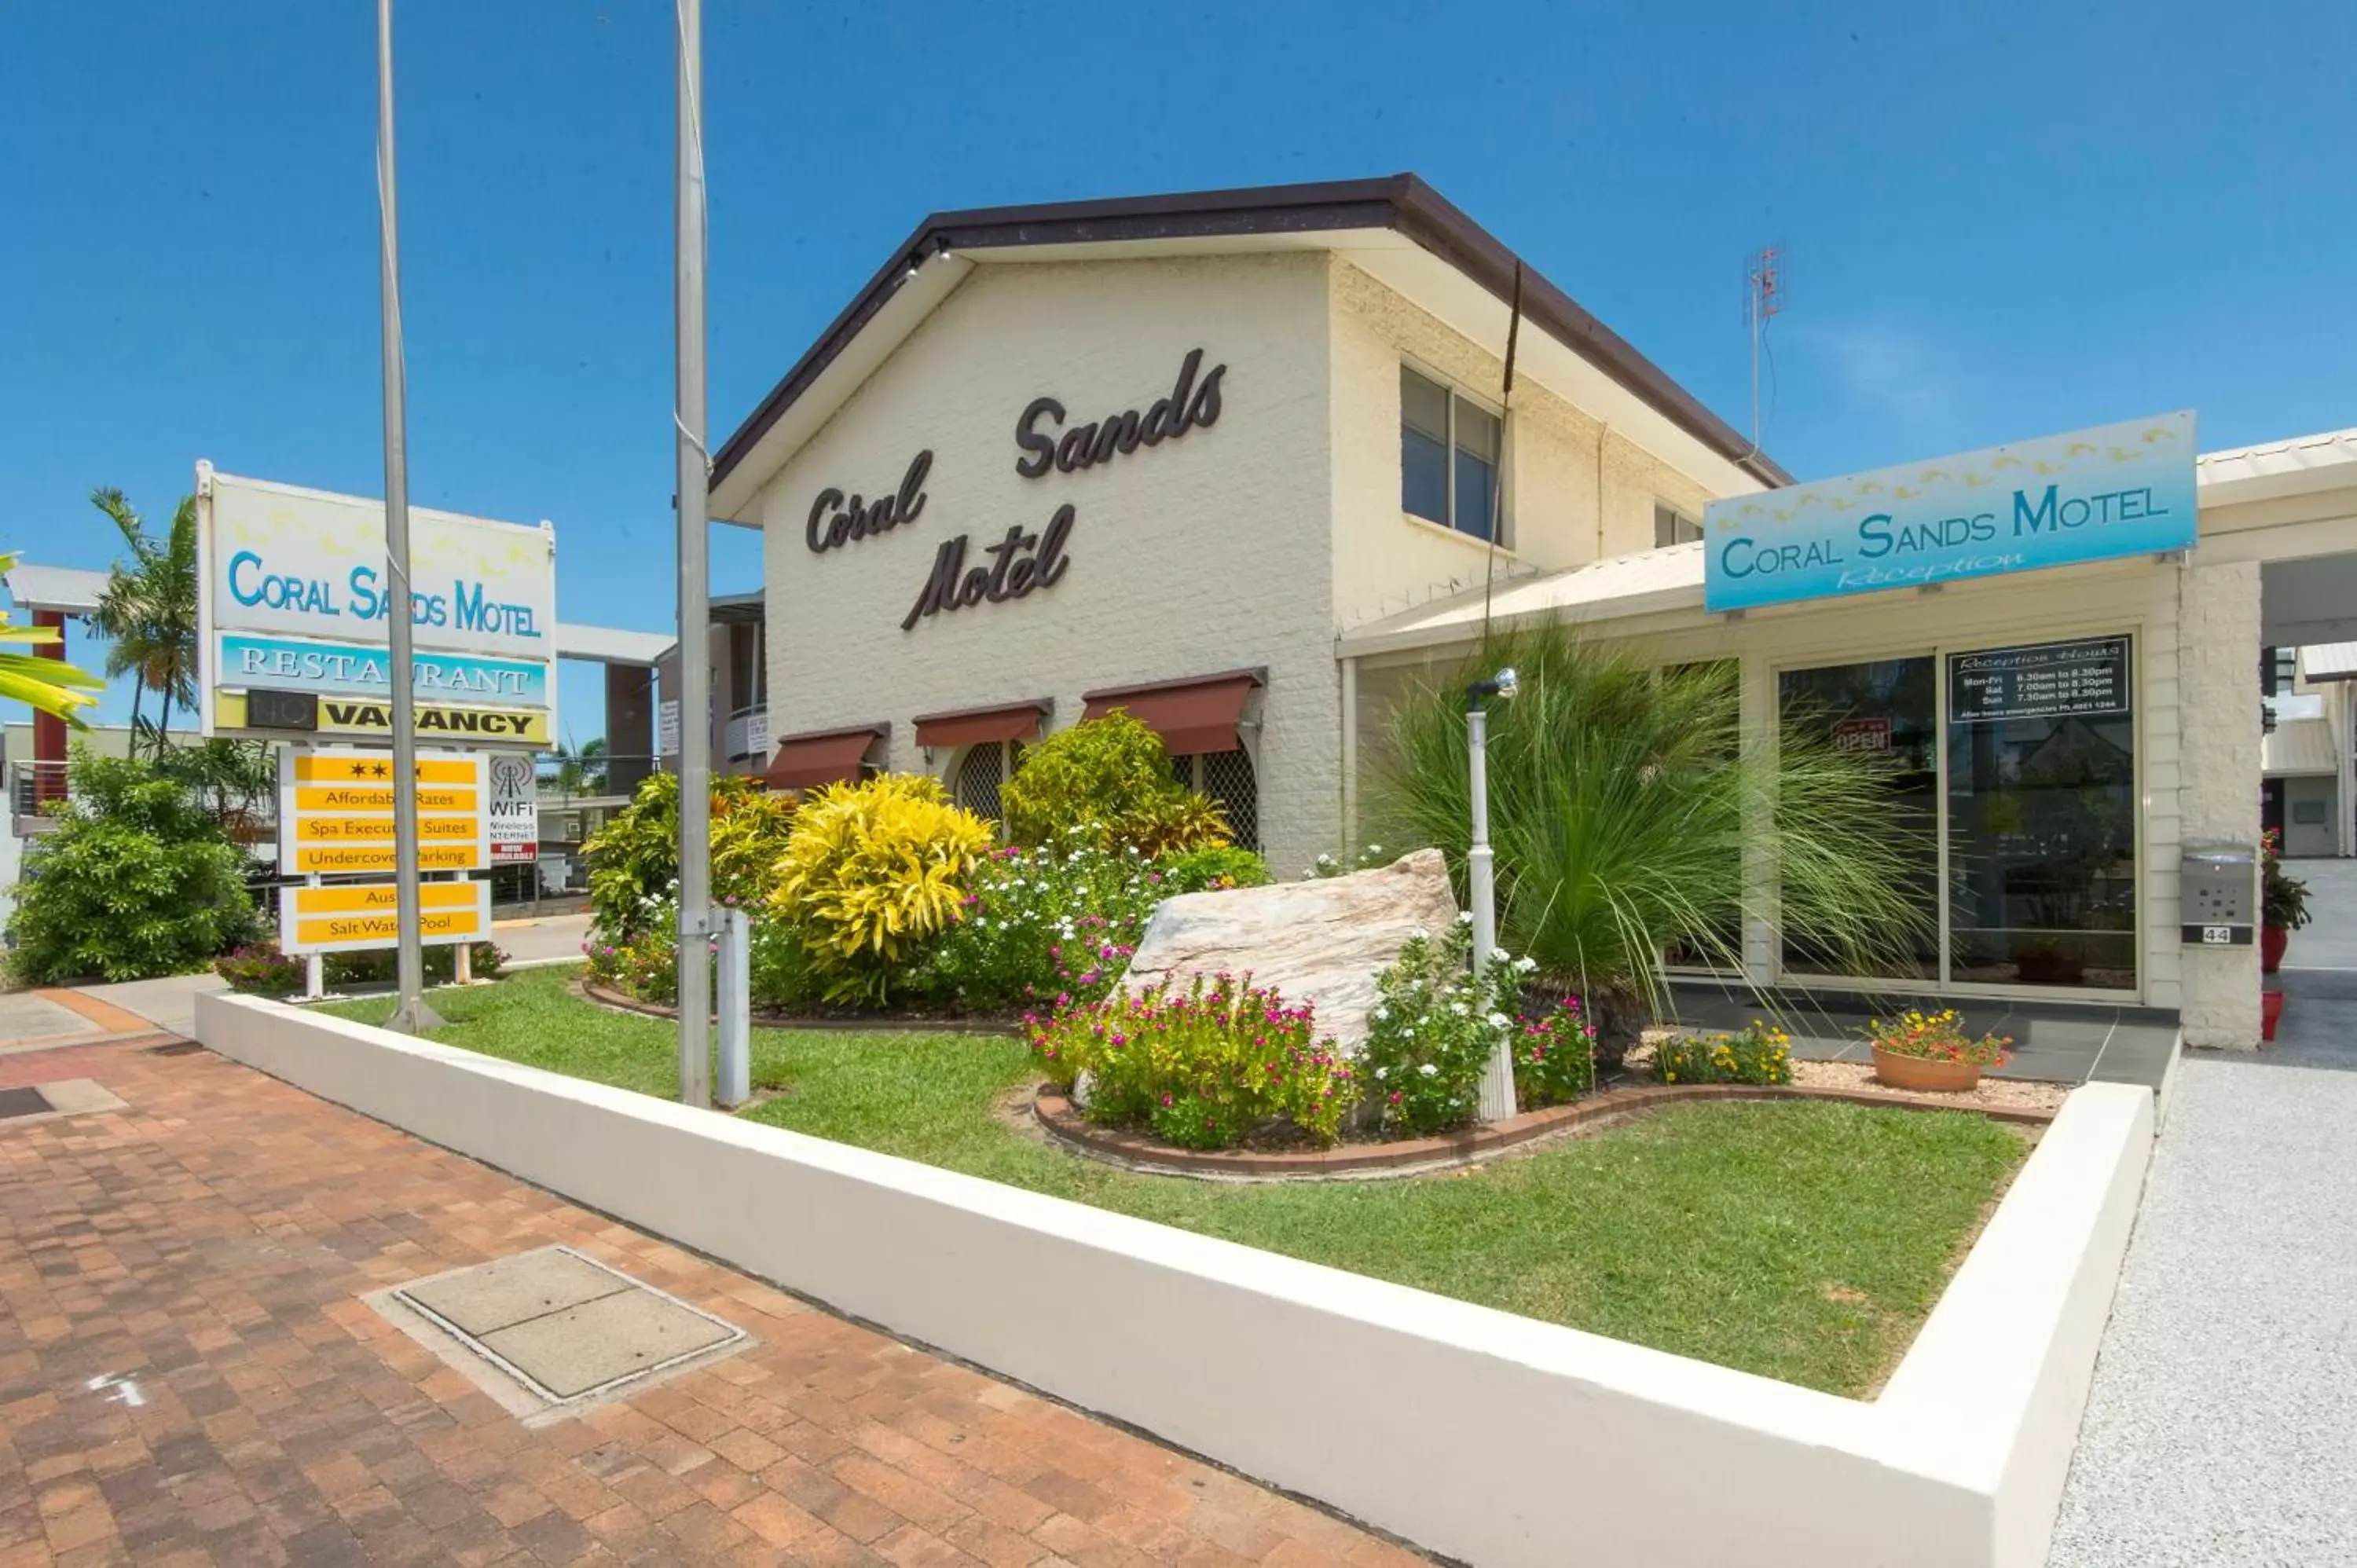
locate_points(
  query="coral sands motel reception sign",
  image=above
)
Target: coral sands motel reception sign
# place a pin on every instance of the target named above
(294, 599)
(2091, 495)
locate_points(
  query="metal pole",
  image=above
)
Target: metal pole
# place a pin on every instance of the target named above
(1498, 1077)
(694, 586)
(412, 1015)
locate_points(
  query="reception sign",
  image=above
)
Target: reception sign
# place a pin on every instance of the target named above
(2091, 495)
(293, 594)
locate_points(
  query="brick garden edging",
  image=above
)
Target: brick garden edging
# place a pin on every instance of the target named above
(606, 996)
(1063, 1122)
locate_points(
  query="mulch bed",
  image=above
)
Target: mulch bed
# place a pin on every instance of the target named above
(1063, 1122)
(845, 1022)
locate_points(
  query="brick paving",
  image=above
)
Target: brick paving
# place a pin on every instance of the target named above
(212, 1244)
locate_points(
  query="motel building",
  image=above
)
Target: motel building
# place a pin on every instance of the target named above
(1231, 461)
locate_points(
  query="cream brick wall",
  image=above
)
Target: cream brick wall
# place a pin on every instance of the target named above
(1197, 556)
(1557, 458)
(2218, 688)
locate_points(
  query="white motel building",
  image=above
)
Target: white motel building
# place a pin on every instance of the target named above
(1230, 460)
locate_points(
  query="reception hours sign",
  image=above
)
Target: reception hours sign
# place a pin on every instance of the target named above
(292, 601)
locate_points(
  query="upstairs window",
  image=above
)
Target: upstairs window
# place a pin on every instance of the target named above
(1450, 452)
(1672, 526)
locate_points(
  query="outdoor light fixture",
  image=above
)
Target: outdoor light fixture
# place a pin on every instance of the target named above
(1498, 1077)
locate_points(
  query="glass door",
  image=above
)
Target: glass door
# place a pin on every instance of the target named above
(2042, 816)
(1889, 706)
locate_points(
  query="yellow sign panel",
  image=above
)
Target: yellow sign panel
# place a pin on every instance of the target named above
(356, 859)
(367, 829)
(379, 930)
(376, 897)
(435, 721)
(367, 915)
(376, 768)
(374, 798)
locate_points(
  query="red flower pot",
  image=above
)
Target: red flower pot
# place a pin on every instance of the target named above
(2271, 1006)
(2273, 940)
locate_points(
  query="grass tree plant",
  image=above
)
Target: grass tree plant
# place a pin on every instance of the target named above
(1630, 821)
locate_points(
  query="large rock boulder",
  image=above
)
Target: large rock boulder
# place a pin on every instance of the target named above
(1321, 941)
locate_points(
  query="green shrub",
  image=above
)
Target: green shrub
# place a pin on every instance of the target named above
(378, 966)
(1555, 1054)
(1624, 812)
(872, 872)
(137, 879)
(633, 860)
(643, 964)
(1213, 867)
(1202, 1067)
(1433, 1029)
(1041, 927)
(259, 968)
(1759, 1053)
(1108, 781)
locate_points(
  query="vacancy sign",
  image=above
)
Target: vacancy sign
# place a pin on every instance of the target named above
(343, 917)
(335, 812)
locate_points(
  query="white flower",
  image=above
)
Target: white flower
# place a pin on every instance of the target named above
(1458, 1008)
(1526, 964)
(1374, 849)
(1464, 917)
(1381, 1014)
(1382, 1073)
(1420, 934)
(1427, 1069)
(1498, 1020)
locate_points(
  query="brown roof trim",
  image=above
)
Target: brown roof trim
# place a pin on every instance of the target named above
(1403, 202)
(1041, 705)
(880, 731)
(1257, 675)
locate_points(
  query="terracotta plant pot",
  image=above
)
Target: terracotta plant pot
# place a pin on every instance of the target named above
(1923, 1075)
(2273, 940)
(2271, 1006)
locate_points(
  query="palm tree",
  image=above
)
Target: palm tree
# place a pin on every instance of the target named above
(51, 685)
(148, 609)
(579, 772)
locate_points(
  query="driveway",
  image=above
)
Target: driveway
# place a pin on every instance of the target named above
(2222, 1429)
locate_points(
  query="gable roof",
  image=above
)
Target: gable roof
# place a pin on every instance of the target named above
(1401, 204)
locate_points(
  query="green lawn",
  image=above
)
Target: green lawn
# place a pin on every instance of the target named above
(1801, 1242)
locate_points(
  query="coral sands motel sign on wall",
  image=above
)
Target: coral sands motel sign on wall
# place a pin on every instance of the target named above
(2091, 495)
(292, 599)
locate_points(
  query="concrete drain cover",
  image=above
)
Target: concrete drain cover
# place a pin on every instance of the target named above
(53, 1101)
(565, 1325)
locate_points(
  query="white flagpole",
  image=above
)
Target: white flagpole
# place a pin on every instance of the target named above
(694, 586)
(413, 1015)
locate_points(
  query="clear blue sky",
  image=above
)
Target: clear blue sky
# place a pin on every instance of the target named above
(2002, 220)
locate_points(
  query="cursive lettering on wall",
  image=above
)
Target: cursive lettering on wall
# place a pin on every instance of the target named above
(1189, 407)
(834, 521)
(1020, 563)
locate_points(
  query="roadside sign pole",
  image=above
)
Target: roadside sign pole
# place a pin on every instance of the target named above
(315, 966)
(412, 1015)
(694, 586)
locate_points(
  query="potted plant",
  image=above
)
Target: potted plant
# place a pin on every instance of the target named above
(1930, 1051)
(2283, 907)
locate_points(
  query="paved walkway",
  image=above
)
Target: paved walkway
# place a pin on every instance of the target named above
(189, 1374)
(2222, 1426)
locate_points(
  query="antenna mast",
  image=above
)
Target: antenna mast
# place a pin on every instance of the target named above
(1763, 299)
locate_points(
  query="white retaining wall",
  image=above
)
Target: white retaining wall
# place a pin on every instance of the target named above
(1476, 1433)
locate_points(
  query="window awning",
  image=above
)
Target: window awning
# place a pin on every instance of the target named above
(1192, 716)
(982, 727)
(822, 757)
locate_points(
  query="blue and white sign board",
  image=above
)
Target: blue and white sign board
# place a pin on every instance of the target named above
(2091, 495)
(292, 599)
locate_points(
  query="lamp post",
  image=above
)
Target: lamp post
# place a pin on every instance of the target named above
(1498, 1078)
